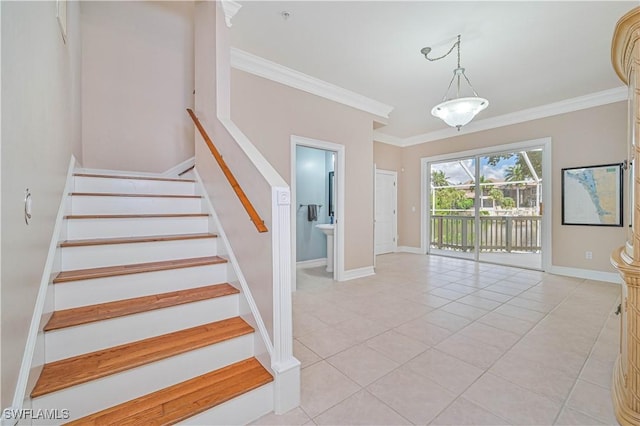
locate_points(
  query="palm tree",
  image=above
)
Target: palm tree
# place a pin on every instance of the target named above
(438, 179)
(517, 173)
(535, 158)
(483, 184)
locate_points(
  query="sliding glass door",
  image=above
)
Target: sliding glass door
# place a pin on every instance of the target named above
(453, 207)
(488, 207)
(510, 219)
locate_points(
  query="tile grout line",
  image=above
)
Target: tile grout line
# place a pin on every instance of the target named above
(430, 347)
(485, 370)
(575, 383)
(502, 356)
(361, 388)
(471, 384)
(562, 406)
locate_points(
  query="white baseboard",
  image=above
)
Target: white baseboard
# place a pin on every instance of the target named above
(352, 274)
(179, 168)
(313, 263)
(407, 249)
(31, 366)
(589, 274)
(287, 386)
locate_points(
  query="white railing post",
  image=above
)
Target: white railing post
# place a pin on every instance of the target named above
(284, 364)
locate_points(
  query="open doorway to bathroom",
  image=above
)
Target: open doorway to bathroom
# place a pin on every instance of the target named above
(317, 200)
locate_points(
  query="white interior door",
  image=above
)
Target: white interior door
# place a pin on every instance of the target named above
(385, 214)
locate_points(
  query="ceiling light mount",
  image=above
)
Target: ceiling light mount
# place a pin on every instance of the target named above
(456, 111)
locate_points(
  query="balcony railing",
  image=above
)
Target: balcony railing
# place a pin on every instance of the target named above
(497, 233)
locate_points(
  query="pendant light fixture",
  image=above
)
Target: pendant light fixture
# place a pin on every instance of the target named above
(456, 111)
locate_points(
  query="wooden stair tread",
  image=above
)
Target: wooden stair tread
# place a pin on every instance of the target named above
(136, 268)
(92, 313)
(163, 179)
(186, 399)
(125, 240)
(86, 367)
(134, 216)
(117, 194)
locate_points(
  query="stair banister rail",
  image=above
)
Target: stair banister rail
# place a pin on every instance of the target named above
(244, 200)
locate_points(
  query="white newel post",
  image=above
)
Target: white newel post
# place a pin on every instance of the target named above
(284, 364)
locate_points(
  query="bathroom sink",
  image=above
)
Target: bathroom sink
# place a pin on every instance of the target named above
(327, 228)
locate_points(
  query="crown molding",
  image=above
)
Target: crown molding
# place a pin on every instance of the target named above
(388, 139)
(569, 105)
(261, 67)
(230, 8)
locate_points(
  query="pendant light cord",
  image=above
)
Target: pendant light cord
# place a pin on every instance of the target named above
(457, 43)
(456, 72)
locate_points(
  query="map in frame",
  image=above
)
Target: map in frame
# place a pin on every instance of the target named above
(592, 195)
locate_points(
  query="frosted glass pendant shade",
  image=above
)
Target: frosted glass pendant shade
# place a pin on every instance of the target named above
(460, 111)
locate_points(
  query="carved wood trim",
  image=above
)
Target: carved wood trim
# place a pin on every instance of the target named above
(626, 34)
(625, 390)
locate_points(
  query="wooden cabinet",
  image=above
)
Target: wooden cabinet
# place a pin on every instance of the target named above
(625, 55)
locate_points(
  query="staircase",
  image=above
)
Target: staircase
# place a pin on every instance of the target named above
(146, 328)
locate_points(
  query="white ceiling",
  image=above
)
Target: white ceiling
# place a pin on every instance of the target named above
(517, 54)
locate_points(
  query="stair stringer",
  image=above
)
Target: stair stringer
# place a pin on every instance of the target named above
(248, 310)
(286, 392)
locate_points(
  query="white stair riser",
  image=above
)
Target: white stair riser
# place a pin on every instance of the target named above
(241, 410)
(99, 394)
(132, 186)
(100, 290)
(85, 338)
(78, 229)
(102, 205)
(125, 254)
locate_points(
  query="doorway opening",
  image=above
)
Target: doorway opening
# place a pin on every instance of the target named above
(317, 193)
(490, 205)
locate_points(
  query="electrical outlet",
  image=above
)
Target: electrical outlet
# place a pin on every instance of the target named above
(588, 255)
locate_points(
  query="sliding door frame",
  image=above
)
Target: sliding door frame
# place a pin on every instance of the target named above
(425, 185)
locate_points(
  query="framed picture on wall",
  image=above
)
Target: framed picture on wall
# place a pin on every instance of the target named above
(592, 195)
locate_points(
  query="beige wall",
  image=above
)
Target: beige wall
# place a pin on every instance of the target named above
(40, 132)
(387, 157)
(270, 113)
(582, 138)
(137, 62)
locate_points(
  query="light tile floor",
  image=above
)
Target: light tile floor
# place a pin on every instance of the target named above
(442, 341)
